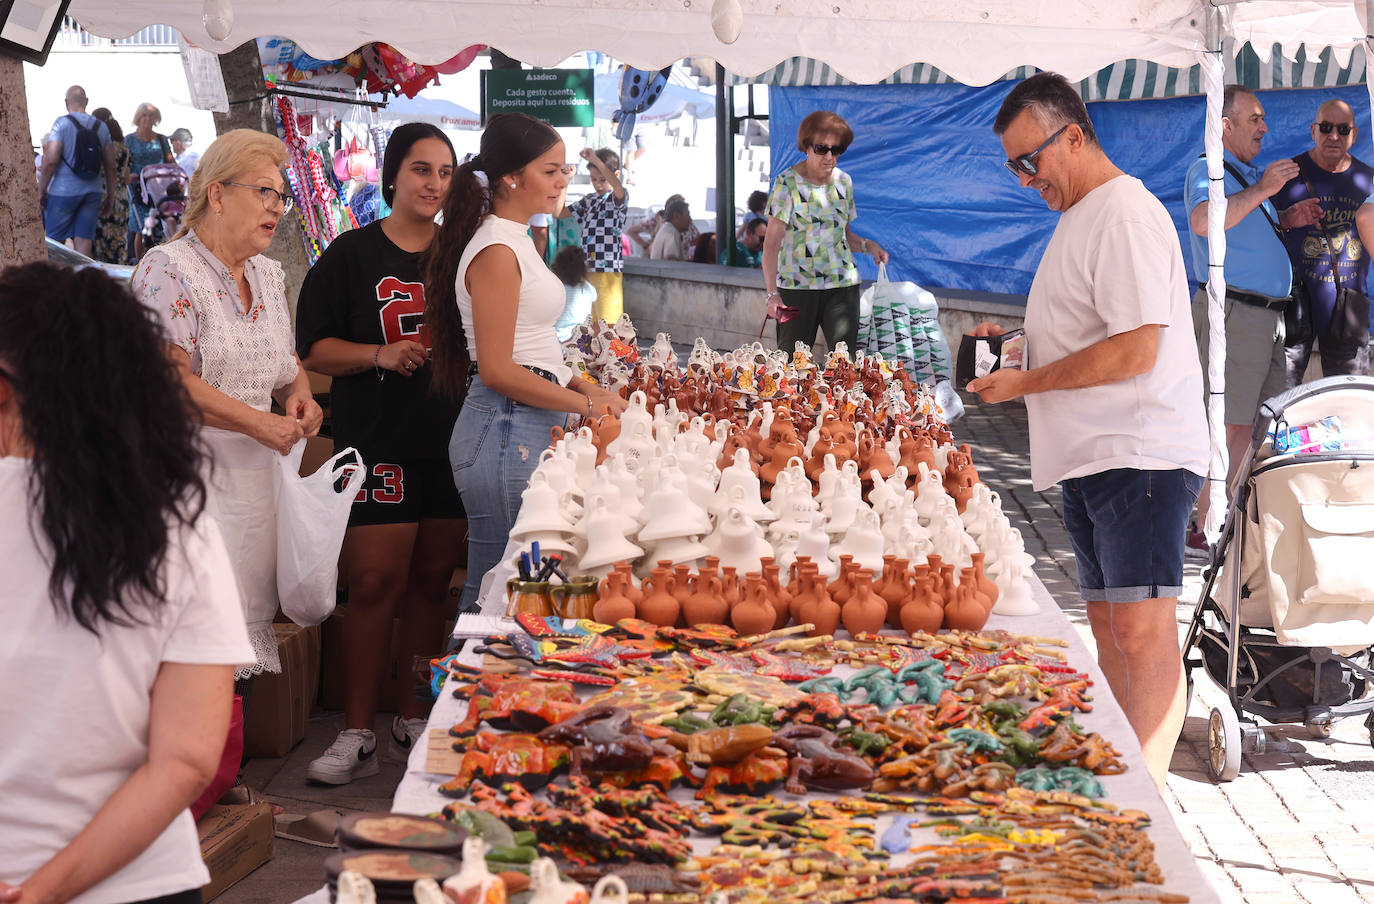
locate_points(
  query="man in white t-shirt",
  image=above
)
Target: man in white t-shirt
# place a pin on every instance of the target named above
(670, 243)
(1113, 397)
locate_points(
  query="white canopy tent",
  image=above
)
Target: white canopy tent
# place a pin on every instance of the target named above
(862, 40)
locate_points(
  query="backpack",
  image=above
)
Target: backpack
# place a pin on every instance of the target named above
(87, 158)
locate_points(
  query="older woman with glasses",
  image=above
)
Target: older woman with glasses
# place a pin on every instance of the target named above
(808, 264)
(223, 306)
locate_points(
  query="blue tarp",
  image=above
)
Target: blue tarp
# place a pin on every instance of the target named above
(931, 188)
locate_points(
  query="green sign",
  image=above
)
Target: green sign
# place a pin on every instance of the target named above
(560, 97)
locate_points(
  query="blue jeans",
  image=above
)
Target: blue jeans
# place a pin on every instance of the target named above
(72, 216)
(495, 448)
(1127, 529)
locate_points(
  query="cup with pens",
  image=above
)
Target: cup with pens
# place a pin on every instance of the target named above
(534, 592)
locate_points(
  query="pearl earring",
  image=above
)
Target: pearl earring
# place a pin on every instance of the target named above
(512, 185)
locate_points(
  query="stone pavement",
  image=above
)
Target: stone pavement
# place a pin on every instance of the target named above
(1289, 829)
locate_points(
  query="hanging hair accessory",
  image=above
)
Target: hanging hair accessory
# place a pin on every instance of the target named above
(475, 162)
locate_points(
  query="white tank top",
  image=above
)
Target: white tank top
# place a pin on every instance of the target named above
(540, 304)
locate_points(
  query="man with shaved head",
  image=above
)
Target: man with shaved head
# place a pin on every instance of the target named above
(76, 184)
(1329, 255)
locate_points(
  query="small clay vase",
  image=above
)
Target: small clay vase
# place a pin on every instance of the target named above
(947, 582)
(921, 611)
(659, 607)
(985, 583)
(970, 577)
(864, 612)
(965, 613)
(613, 604)
(824, 612)
(710, 567)
(706, 606)
(896, 591)
(729, 586)
(753, 614)
(840, 588)
(805, 574)
(780, 598)
(682, 583)
(627, 587)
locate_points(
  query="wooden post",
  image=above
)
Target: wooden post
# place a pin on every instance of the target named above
(243, 83)
(21, 222)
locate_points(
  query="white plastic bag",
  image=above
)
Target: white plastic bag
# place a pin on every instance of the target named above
(901, 321)
(311, 519)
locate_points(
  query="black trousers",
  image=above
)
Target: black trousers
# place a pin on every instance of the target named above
(1335, 361)
(836, 311)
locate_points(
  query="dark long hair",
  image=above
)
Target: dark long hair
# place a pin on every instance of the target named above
(570, 265)
(509, 142)
(104, 115)
(402, 139)
(116, 453)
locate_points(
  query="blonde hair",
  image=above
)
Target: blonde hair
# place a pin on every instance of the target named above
(145, 107)
(228, 158)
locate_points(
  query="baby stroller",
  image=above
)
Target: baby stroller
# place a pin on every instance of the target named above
(164, 194)
(1286, 616)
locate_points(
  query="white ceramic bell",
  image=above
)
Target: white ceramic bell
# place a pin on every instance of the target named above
(841, 510)
(661, 354)
(738, 542)
(630, 495)
(1013, 590)
(828, 480)
(559, 470)
(738, 497)
(930, 493)
(913, 543)
(636, 414)
(785, 549)
(766, 419)
(540, 511)
(815, 544)
(951, 543)
(863, 541)
(605, 542)
(678, 550)
(942, 455)
(740, 473)
(610, 888)
(671, 510)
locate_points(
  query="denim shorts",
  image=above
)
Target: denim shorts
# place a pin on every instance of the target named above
(495, 448)
(1127, 527)
(72, 216)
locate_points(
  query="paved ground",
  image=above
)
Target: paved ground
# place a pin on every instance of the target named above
(1288, 830)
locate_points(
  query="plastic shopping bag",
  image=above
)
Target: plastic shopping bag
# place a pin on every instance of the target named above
(311, 519)
(901, 322)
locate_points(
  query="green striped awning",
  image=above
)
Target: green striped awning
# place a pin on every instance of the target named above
(1127, 80)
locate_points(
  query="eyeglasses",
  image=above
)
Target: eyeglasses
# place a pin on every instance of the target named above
(1342, 128)
(822, 149)
(270, 196)
(1025, 164)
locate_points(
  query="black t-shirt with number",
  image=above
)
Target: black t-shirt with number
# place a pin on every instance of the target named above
(365, 289)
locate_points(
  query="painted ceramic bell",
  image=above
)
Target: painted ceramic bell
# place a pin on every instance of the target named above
(474, 883)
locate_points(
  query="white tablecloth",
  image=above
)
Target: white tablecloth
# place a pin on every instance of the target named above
(419, 791)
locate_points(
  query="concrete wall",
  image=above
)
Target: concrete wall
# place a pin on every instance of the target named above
(724, 305)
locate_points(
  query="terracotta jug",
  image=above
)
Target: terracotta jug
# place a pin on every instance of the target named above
(605, 432)
(896, 591)
(921, 611)
(796, 583)
(613, 605)
(706, 606)
(753, 614)
(729, 586)
(965, 613)
(970, 577)
(659, 607)
(840, 588)
(824, 612)
(627, 587)
(710, 567)
(985, 583)
(682, 583)
(805, 576)
(865, 611)
(947, 582)
(780, 598)
(906, 450)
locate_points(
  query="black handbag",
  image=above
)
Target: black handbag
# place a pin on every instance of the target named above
(1349, 328)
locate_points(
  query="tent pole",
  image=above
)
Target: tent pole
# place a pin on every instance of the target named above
(725, 167)
(1214, 71)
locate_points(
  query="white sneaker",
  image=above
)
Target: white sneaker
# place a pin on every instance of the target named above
(354, 887)
(405, 734)
(352, 755)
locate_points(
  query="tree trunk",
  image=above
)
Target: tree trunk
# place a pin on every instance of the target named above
(243, 83)
(21, 223)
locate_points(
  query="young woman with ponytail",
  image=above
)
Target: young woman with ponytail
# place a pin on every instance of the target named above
(490, 307)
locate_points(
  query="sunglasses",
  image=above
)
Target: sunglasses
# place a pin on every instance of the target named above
(1342, 128)
(821, 150)
(1026, 162)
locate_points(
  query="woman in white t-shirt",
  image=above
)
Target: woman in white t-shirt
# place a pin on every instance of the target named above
(490, 306)
(120, 624)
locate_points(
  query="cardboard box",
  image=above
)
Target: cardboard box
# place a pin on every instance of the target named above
(334, 667)
(234, 841)
(280, 704)
(318, 450)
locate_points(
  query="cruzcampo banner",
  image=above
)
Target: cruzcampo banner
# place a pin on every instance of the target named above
(560, 97)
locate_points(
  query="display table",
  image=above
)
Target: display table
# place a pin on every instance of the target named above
(418, 792)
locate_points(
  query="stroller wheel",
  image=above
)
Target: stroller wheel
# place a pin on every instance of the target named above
(1223, 744)
(1318, 729)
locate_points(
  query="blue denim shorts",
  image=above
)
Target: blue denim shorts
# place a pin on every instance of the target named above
(72, 216)
(1127, 528)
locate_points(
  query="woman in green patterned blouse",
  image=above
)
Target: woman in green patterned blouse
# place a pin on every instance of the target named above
(808, 264)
